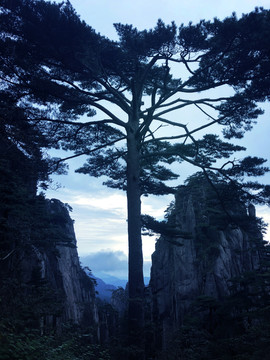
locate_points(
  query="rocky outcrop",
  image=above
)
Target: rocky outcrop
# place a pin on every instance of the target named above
(52, 260)
(213, 246)
(41, 279)
(79, 291)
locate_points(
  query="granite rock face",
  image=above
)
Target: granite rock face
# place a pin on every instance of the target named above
(42, 284)
(59, 266)
(79, 292)
(210, 250)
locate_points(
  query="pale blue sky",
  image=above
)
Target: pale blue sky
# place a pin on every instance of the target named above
(99, 212)
(102, 14)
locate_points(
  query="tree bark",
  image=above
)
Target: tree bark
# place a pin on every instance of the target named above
(136, 282)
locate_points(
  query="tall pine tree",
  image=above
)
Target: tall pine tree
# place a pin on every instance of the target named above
(57, 68)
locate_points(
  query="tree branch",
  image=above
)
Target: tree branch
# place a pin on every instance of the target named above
(86, 152)
(81, 124)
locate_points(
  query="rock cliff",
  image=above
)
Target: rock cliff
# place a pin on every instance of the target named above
(49, 262)
(59, 266)
(41, 279)
(212, 248)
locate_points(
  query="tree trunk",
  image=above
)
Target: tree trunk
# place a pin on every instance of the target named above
(136, 282)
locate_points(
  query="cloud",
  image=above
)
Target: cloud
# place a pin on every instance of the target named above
(263, 211)
(156, 205)
(114, 202)
(100, 215)
(108, 262)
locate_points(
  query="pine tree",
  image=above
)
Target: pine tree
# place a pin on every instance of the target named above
(57, 68)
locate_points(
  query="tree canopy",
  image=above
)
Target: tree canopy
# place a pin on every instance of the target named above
(58, 68)
(115, 101)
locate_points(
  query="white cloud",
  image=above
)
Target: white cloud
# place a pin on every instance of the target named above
(109, 262)
(263, 211)
(100, 215)
(115, 202)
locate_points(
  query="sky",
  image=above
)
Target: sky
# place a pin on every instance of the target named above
(100, 213)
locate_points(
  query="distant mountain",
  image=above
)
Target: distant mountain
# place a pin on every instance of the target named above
(108, 279)
(108, 284)
(104, 291)
(113, 280)
(105, 286)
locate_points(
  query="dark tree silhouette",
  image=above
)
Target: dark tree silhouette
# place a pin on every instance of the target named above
(57, 68)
